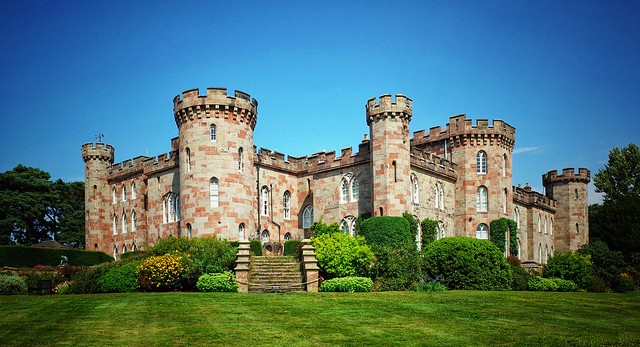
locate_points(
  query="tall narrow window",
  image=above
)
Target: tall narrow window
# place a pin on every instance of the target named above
(114, 192)
(545, 225)
(539, 223)
(240, 159)
(436, 197)
(504, 201)
(287, 236)
(133, 191)
(265, 236)
(115, 252)
(344, 226)
(551, 226)
(355, 189)
(286, 204)
(394, 165)
(344, 190)
(115, 224)
(134, 221)
(124, 222)
(241, 231)
(577, 228)
(212, 132)
(307, 217)
(349, 189)
(516, 217)
(481, 199)
(170, 208)
(415, 190)
(481, 162)
(189, 230)
(482, 232)
(124, 192)
(188, 151)
(575, 193)
(214, 192)
(441, 196)
(504, 165)
(264, 197)
(347, 225)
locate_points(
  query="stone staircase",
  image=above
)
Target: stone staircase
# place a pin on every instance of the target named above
(275, 275)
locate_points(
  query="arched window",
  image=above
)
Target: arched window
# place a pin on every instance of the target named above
(124, 222)
(344, 226)
(344, 190)
(241, 231)
(286, 204)
(265, 236)
(133, 190)
(482, 232)
(170, 208)
(124, 249)
(189, 230)
(441, 233)
(134, 247)
(394, 165)
(546, 231)
(307, 217)
(516, 217)
(546, 254)
(347, 225)
(264, 197)
(436, 197)
(188, 159)
(540, 253)
(214, 192)
(212, 132)
(240, 159)
(539, 223)
(481, 162)
(349, 189)
(114, 192)
(577, 228)
(481, 199)
(134, 221)
(504, 165)
(415, 189)
(115, 252)
(504, 201)
(287, 236)
(124, 192)
(551, 226)
(441, 195)
(355, 189)
(115, 224)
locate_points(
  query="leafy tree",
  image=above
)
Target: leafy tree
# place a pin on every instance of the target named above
(69, 212)
(617, 220)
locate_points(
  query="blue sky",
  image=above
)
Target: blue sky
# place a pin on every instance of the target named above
(566, 74)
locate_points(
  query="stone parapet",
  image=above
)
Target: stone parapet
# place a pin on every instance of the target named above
(568, 175)
(433, 163)
(215, 104)
(530, 198)
(98, 151)
(402, 107)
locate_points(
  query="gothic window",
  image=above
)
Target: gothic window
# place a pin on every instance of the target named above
(441, 195)
(241, 231)
(347, 225)
(212, 132)
(240, 159)
(115, 252)
(287, 236)
(124, 192)
(188, 159)
(504, 201)
(349, 189)
(516, 217)
(134, 247)
(124, 249)
(307, 217)
(540, 253)
(551, 226)
(170, 208)
(481, 162)
(134, 221)
(189, 230)
(394, 165)
(114, 192)
(415, 189)
(264, 197)
(482, 232)
(124, 222)
(441, 233)
(546, 231)
(546, 254)
(214, 192)
(539, 223)
(133, 190)
(504, 165)
(286, 202)
(115, 224)
(265, 236)
(481, 199)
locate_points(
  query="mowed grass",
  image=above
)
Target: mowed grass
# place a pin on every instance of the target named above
(453, 318)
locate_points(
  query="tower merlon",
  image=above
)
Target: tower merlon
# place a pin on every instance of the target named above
(98, 151)
(568, 174)
(215, 103)
(387, 107)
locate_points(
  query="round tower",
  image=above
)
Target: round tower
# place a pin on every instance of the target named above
(571, 223)
(97, 159)
(483, 154)
(388, 123)
(217, 176)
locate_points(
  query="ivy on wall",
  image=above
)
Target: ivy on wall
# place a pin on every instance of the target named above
(498, 234)
(429, 231)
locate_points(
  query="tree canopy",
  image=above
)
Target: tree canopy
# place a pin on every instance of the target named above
(35, 209)
(617, 220)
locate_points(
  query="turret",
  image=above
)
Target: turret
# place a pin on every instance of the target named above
(570, 190)
(217, 177)
(97, 159)
(388, 122)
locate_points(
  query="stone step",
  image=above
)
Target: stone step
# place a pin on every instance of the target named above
(275, 274)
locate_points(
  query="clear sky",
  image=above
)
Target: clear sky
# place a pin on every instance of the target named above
(566, 74)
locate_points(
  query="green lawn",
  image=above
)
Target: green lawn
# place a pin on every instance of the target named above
(454, 318)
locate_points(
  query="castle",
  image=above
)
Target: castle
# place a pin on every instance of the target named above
(214, 181)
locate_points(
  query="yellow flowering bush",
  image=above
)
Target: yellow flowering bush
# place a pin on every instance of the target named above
(165, 272)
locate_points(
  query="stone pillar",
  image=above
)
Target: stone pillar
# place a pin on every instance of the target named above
(242, 265)
(310, 265)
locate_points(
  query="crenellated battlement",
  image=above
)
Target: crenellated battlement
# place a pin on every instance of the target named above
(530, 198)
(433, 163)
(462, 131)
(568, 175)
(98, 151)
(319, 161)
(386, 107)
(215, 104)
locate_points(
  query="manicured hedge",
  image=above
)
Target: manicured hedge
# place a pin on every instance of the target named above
(256, 247)
(292, 248)
(347, 284)
(386, 231)
(22, 256)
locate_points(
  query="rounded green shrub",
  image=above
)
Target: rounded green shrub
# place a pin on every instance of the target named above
(86, 281)
(256, 248)
(397, 269)
(11, 285)
(220, 282)
(541, 284)
(569, 266)
(386, 231)
(565, 285)
(347, 284)
(342, 255)
(120, 278)
(467, 263)
(164, 272)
